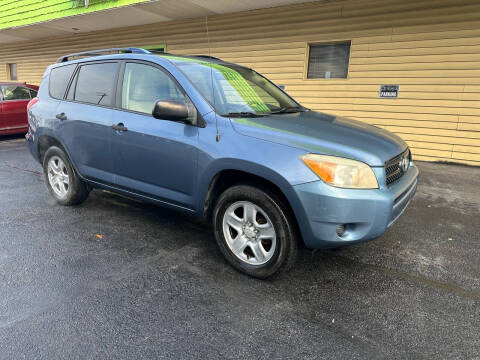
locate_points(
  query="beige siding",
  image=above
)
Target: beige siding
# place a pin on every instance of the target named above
(431, 48)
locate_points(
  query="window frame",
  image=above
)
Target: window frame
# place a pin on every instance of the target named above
(118, 99)
(71, 82)
(117, 103)
(74, 76)
(308, 44)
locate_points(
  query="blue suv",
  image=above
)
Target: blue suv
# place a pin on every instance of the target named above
(220, 141)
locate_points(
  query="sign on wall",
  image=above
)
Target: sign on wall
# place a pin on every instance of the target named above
(388, 91)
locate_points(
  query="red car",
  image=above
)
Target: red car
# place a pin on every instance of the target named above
(14, 98)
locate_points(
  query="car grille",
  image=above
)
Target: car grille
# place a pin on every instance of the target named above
(393, 168)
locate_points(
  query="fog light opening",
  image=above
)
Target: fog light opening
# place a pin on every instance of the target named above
(341, 229)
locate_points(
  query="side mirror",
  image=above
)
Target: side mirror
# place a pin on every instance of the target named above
(175, 110)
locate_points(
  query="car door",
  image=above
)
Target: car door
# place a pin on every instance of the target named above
(85, 116)
(2, 124)
(14, 108)
(152, 156)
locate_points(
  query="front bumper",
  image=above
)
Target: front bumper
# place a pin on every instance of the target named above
(366, 214)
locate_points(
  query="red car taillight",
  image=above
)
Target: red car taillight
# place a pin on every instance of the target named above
(32, 102)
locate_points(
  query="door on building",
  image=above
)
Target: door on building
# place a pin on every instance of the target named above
(13, 103)
(85, 119)
(153, 156)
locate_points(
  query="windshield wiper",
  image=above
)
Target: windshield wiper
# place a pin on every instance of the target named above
(289, 109)
(242, 114)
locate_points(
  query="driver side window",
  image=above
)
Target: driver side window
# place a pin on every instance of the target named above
(143, 85)
(14, 92)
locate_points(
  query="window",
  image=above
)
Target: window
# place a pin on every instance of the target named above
(96, 83)
(144, 85)
(12, 71)
(14, 92)
(233, 88)
(59, 78)
(328, 61)
(33, 93)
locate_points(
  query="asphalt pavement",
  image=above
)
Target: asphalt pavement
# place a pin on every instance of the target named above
(120, 279)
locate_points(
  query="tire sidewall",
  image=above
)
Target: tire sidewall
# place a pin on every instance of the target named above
(55, 151)
(276, 214)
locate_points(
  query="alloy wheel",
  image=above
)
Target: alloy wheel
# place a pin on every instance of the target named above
(58, 176)
(249, 233)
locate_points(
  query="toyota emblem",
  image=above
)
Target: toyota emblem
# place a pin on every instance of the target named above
(403, 164)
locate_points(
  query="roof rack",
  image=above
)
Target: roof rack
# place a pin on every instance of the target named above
(129, 50)
(206, 57)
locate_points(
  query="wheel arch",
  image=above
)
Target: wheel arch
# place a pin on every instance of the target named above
(45, 141)
(259, 176)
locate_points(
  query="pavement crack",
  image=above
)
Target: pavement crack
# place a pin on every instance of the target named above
(20, 169)
(450, 288)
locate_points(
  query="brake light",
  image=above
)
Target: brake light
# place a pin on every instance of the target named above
(32, 102)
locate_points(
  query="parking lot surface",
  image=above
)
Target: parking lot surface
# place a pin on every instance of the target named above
(119, 279)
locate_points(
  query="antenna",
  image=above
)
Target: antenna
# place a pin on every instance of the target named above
(217, 137)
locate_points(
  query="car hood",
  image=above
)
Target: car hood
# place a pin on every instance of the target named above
(325, 134)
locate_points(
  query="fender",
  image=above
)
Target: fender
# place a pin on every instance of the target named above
(266, 173)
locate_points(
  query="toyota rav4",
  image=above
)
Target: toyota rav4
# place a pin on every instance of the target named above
(220, 141)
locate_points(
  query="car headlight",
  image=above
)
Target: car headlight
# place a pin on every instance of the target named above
(341, 172)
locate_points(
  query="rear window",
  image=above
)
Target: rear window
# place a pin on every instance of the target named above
(96, 83)
(59, 78)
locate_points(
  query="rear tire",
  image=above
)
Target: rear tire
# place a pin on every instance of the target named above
(62, 181)
(255, 231)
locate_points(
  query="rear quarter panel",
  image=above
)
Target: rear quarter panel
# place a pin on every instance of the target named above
(41, 117)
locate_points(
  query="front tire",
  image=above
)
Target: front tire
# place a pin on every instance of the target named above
(61, 179)
(255, 231)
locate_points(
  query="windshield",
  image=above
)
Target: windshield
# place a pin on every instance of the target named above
(234, 90)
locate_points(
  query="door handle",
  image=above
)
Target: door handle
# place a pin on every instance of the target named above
(61, 116)
(119, 127)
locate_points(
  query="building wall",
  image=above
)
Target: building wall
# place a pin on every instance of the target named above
(431, 48)
(25, 12)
